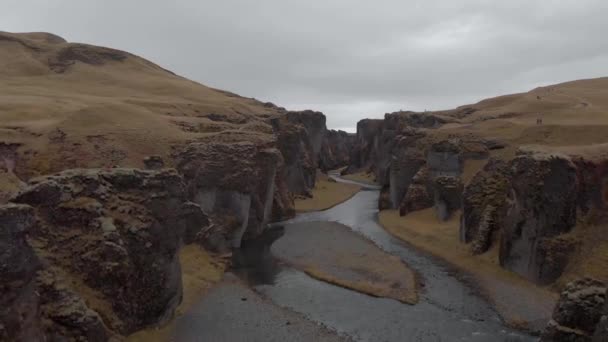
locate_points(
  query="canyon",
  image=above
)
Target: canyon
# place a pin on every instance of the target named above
(121, 183)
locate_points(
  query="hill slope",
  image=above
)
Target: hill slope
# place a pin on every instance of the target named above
(69, 105)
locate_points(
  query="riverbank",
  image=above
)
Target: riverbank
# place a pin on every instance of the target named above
(333, 253)
(231, 311)
(327, 193)
(200, 272)
(520, 303)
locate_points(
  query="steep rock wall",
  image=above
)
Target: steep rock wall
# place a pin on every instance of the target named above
(299, 148)
(541, 206)
(233, 178)
(116, 234)
(336, 150)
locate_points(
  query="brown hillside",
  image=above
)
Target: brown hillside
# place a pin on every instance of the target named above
(69, 105)
(572, 113)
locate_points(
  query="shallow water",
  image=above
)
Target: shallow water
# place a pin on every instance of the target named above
(448, 309)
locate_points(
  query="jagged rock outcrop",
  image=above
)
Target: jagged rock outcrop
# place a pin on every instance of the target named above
(542, 204)
(384, 201)
(447, 196)
(314, 123)
(601, 330)
(299, 149)
(484, 205)
(418, 195)
(406, 161)
(235, 179)
(445, 159)
(402, 119)
(19, 304)
(578, 312)
(116, 233)
(335, 150)
(362, 155)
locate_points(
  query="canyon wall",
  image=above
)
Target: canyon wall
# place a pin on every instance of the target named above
(93, 253)
(99, 248)
(525, 203)
(336, 150)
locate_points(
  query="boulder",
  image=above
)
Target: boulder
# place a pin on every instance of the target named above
(578, 312)
(542, 204)
(154, 163)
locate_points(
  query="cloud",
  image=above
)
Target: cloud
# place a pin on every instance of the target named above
(350, 58)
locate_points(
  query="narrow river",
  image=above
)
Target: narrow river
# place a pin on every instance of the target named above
(448, 309)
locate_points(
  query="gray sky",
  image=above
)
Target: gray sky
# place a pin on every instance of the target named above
(348, 58)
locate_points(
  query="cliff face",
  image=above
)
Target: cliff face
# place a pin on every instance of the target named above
(300, 136)
(533, 202)
(232, 179)
(526, 203)
(335, 150)
(541, 206)
(115, 234)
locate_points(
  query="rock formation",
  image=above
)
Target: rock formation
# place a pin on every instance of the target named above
(335, 150)
(19, 304)
(484, 203)
(578, 313)
(418, 195)
(541, 206)
(114, 234)
(299, 148)
(362, 155)
(235, 179)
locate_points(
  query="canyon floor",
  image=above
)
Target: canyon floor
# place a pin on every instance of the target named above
(345, 248)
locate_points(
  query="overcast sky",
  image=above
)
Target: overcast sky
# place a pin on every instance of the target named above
(348, 58)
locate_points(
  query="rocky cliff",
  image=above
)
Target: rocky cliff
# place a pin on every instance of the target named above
(526, 202)
(335, 150)
(106, 184)
(108, 238)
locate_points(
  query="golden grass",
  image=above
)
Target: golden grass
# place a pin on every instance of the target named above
(363, 177)
(113, 113)
(331, 252)
(200, 271)
(326, 194)
(591, 259)
(368, 287)
(441, 239)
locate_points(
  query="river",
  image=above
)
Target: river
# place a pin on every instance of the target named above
(448, 310)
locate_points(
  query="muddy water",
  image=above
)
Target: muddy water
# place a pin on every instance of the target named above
(448, 310)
